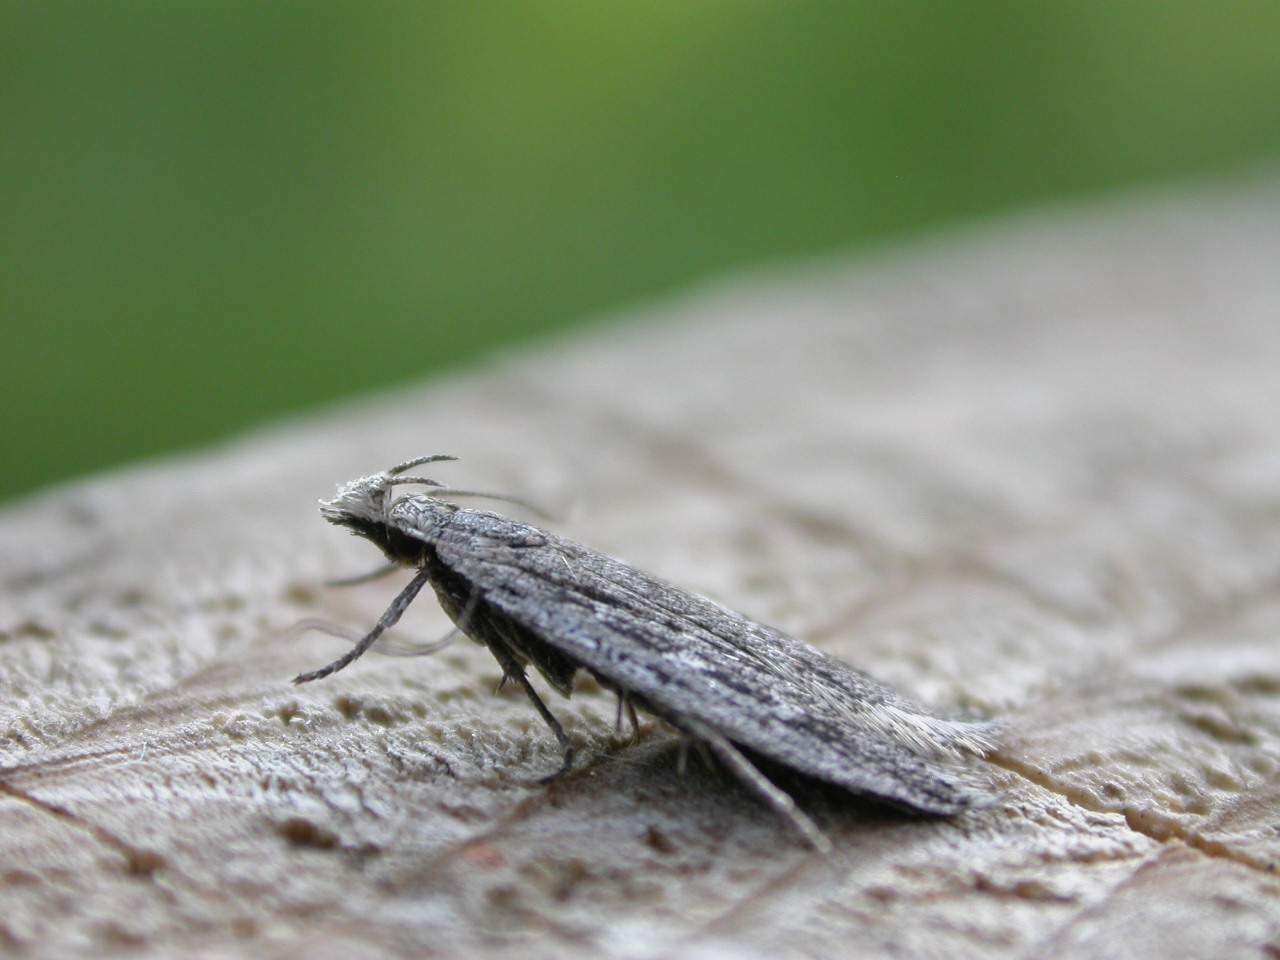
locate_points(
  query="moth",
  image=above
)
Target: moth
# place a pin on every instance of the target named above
(744, 690)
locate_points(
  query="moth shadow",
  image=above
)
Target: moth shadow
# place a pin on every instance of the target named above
(672, 770)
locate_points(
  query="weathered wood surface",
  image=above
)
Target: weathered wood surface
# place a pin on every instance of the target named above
(1032, 471)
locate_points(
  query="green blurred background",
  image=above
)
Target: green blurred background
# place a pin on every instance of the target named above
(218, 212)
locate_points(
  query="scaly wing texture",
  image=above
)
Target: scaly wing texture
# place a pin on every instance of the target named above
(691, 658)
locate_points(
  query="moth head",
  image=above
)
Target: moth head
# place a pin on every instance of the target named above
(364, 502)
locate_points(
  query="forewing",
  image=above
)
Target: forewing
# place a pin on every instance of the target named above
(691, 658)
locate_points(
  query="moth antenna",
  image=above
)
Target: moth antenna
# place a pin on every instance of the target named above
(360, 578)
(384, 623)
(388, 647)
(532, 508)
(391, 648)
(417, 462)
(323, 626)
(399, 480)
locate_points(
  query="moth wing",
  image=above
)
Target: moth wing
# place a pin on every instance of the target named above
(688, 657)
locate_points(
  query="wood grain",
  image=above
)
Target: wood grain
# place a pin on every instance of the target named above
(1030, 470)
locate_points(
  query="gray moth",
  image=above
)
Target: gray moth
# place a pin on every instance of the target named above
(744, 690)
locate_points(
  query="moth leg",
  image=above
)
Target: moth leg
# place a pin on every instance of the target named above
(385, 622)
(682, 759)
(464, 619)
(511, 669)
(762, 786)
(625, 704)
(360, 578)
(704, 753)
(561, 737)
(617, 721)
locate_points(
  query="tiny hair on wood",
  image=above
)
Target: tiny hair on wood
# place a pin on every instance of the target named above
(742, 689)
